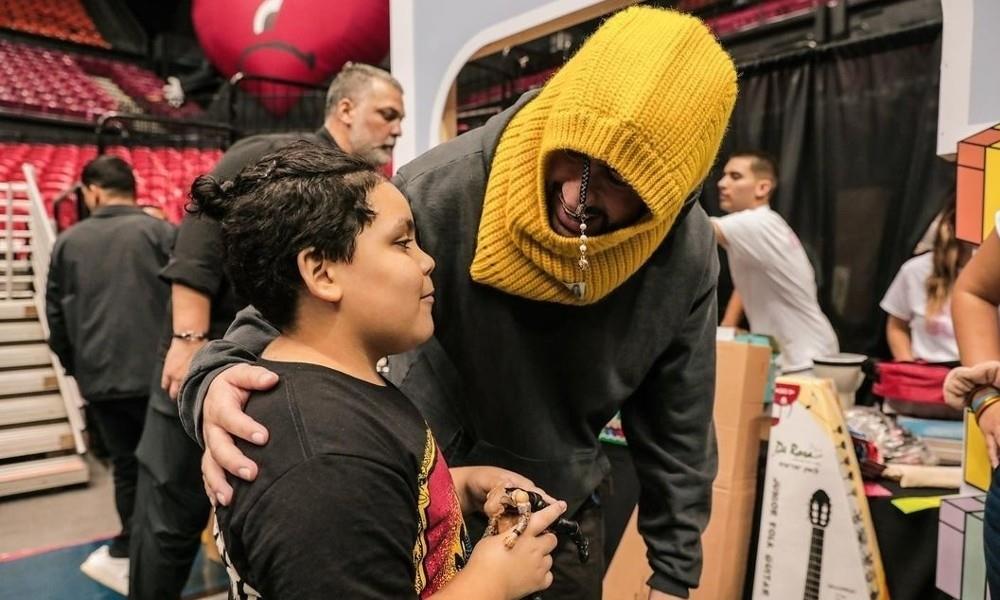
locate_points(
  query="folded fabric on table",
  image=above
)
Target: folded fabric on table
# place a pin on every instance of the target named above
(910, 476)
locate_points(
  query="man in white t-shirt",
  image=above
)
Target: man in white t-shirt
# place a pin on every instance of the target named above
(773, 279)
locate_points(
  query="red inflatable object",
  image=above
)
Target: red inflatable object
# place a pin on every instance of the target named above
(298, 40)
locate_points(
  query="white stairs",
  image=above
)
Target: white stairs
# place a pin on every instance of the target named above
(41, 423)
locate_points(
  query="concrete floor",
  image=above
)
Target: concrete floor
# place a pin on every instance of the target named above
(43, 521)
(60, 517)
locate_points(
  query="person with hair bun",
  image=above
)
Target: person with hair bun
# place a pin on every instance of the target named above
(354, 498)
(363, 117)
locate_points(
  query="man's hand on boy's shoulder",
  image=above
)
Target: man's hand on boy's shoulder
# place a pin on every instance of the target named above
(223, 417)
(473, 484)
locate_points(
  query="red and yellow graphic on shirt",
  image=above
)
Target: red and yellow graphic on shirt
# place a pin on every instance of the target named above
(442, 544)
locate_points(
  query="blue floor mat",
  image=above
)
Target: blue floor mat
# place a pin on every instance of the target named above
(56, 575)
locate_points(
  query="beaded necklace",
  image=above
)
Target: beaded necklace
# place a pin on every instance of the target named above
(580, 214)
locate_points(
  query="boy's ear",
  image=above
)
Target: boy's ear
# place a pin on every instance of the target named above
(318, 275)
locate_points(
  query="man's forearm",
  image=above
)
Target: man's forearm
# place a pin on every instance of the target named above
(669, 433)
(734, 311)
(974, 305)
(192, 310)
(244, 342)
(977, 328)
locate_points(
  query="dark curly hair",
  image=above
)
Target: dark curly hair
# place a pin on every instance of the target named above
(301, 196)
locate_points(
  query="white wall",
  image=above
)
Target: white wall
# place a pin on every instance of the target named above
(432, 39)
(969, 99)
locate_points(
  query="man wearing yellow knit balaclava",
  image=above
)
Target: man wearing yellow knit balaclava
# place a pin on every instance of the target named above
(575, 278)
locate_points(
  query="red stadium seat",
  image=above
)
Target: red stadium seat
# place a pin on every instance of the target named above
(163, 175)
(65, 20)
(59, 83)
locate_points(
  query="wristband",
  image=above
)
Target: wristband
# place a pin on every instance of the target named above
(981, 395)
(985, 405)
(190, 336)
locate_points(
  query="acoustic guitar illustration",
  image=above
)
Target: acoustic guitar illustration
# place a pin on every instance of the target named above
(819, 516)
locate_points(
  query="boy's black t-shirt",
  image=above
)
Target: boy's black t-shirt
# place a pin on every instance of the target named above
(352, 498)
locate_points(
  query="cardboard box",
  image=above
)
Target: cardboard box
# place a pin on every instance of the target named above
(742, 372)
(961, 563)
(740, 381)
(628, 572)
(816, 537)
(725, 544)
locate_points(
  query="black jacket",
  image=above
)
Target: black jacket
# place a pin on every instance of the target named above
(249, 150)
(528, 385)
(105, 302)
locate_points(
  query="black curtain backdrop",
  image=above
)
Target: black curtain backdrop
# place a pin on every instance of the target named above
(854, 128)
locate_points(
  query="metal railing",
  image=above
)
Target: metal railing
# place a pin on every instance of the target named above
(257, 104)
(124, 130)
(246, 105)
(9, 252)
(22, 203)
(43, 238)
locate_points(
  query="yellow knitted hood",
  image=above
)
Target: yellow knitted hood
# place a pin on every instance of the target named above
(650, 94)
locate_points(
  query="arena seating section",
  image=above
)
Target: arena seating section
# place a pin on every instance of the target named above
(69, 80)
(56, 83)
(163, 175)
(64, 20)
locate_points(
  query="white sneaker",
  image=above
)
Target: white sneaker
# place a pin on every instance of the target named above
(107, 570)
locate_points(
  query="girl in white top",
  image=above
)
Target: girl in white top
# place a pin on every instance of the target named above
(919, 299)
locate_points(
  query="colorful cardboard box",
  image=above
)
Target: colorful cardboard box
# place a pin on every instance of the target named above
(978, 184)
(961, 565)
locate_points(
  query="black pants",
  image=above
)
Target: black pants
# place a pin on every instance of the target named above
(119, 423)
(571, 579)
(171, 510)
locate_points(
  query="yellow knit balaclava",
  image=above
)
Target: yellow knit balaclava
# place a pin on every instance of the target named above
(650, 94)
